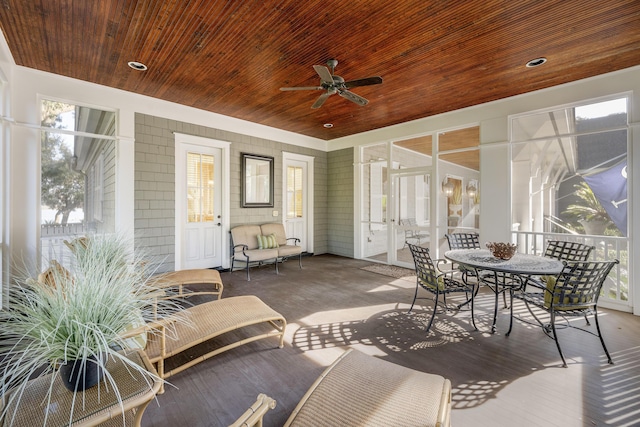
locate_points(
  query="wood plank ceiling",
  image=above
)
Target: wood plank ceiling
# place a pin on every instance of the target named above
(463, 143)
(231, 57)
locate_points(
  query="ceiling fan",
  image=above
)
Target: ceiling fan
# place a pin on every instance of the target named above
(331, 84)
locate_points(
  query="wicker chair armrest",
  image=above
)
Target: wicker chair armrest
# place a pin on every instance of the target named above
(155, 325)
(253, 416)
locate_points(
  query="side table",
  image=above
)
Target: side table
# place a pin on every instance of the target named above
(98, 405)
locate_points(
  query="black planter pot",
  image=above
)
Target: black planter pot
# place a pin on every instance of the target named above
(78, 375)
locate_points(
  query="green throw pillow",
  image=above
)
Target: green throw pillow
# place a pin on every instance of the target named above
(429, 283)
(551, 284)
(267, 242)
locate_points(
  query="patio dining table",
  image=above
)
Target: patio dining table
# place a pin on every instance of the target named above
(504, 275)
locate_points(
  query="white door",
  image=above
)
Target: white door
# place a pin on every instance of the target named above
(199, 206)
(298, 210)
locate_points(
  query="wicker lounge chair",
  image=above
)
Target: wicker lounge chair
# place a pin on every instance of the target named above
(178, 279)
(361, 390)
(210, 320)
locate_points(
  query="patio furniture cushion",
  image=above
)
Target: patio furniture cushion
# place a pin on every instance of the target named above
(262, 254)
(277, 230)
(549, 293)
(246, 235)
(285, 249)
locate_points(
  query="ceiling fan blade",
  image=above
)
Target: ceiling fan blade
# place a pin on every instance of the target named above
(363, 82)
(302, 88)
(353, 97)
(321, 100)
(324, 73)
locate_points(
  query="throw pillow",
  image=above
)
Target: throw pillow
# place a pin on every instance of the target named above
(267, 242)
(551, 284)
(428, 281)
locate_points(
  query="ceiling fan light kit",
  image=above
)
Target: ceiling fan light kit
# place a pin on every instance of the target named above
(332, 84)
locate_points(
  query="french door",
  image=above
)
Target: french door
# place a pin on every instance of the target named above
(199, 207)
(298, 200)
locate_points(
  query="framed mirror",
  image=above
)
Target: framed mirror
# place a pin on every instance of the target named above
(257, 181)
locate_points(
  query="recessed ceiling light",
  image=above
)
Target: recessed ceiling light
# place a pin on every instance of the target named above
(536, 62)
(137, 65)
(328, 125)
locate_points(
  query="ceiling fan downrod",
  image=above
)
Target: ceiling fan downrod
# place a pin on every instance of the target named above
(332, 63)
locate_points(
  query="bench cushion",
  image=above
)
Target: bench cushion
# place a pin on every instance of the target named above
(261, 254)
(246, 235)
(277, 230)
(289, 250)
(284, 250)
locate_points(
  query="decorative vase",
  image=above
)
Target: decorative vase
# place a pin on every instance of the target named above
(78, 375)
(455, 210)
(594, 227)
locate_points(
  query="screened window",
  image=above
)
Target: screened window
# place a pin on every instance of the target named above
(569, 170)
(569, 182)
(77, 176)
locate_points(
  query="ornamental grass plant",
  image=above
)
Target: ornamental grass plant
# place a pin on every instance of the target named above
(78, 315)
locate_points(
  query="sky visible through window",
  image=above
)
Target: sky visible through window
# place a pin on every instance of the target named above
(602, 109)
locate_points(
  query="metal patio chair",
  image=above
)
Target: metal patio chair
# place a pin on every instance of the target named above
(465, 241)
(574, 292)
(436, 282)
(412, 234)
(563, 251)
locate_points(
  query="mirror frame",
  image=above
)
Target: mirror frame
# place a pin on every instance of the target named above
(247, 177)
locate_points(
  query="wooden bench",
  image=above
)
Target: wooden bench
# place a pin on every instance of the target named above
(358, 389)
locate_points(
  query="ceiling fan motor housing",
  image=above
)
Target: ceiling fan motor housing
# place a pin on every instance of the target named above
(333, 84)
(337, 83)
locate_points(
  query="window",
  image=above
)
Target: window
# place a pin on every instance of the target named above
(569, 182)
(200, 187)
(98, 193)
(294, 192)
(4, 100)
(77, 186)
(571, 162)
